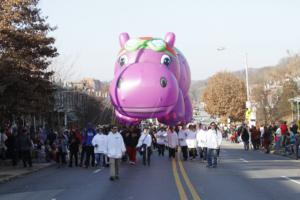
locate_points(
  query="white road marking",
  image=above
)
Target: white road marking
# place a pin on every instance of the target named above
(97, 171)
(294, 181)
(242, 159)
(265, 161)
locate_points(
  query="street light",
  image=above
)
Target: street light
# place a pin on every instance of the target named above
(251, 108)
(247, 78)
(246, 70)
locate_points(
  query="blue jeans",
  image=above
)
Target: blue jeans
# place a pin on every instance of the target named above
(246, 145)
(203, 153)
(100, 159)
(277, 144)
(212, 157)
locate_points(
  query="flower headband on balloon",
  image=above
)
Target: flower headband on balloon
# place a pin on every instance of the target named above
(154, 44)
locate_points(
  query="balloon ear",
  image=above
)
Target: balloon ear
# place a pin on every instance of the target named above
(123, 38)
(170, 39)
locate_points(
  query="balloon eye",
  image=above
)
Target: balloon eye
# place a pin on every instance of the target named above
(165, 60)
(123, 60)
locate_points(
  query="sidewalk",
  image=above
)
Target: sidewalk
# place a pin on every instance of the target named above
(281, 153)
(8, 172)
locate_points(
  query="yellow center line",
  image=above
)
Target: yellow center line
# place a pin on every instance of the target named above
(187, 181)
(179, 186)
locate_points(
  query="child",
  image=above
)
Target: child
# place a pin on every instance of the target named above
(292, 142)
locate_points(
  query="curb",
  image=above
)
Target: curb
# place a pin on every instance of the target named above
(273, 152)
(10, 178)
(293, 157)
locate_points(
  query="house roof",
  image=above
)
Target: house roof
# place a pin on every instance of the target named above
(295, 99)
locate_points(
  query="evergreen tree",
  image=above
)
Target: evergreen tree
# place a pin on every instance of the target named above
(25, 54)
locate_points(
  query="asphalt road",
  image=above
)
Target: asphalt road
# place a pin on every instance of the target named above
(240, 175)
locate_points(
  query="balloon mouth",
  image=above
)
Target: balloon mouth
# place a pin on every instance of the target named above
(148, 110)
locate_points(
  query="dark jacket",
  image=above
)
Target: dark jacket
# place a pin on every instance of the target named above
(51, 137)
(268, 134)
(61, 143)
(245, 134)
(125, 134)
(294, 128)
(255, 134)
(74, 143)
(132, 141)
(24, 143)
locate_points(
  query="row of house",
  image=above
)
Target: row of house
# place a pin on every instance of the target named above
(295, 107)
(71, 98)
(273, 88)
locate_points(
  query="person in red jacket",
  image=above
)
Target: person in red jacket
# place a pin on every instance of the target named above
(78, 135)
(284, 132)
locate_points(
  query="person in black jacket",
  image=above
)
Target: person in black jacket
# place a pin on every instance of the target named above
(51, 137)
(24, 145)
(61, 144)
(125, 133)
(74, 148)
(267, 138)
(294, 128)
(153, 132)
(131, 143)
(11, 152)
(245, 136)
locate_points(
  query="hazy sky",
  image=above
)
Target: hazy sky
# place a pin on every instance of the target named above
(88, 30)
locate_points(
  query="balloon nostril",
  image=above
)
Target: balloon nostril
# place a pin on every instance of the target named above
(119, 83)
(163, 82)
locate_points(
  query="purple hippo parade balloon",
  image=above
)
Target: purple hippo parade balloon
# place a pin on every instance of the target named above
(151, 80)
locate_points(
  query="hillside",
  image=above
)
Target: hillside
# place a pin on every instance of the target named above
(256, 75)
(287, 67)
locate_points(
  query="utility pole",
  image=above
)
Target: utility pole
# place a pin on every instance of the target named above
(247, 78)
(248, 102)
(246, 70)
